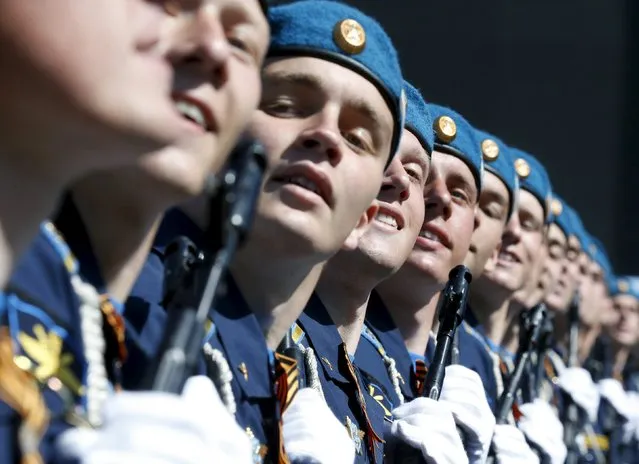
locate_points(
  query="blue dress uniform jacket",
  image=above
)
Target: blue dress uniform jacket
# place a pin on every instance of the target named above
(233, 330)
(501, 366)
(42, 313)
(342, 382)
(380, 333)
(237, 334)
(629, 452)
(475, 355)
(599, 364)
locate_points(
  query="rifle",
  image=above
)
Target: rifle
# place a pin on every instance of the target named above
(545, 342)
(530, 332)
(193, 278)
(571, 419)
(452, 305)
(451, 313)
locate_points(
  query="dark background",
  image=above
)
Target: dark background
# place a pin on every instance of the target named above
(557, 78)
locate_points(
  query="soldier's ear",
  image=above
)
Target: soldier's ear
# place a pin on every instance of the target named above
(364, 222)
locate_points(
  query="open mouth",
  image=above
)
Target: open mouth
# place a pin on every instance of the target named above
(508, 257)
(390, 217)
(194, 111)
(302, 182)
(308, 178)
(429, 235)
(433, 233)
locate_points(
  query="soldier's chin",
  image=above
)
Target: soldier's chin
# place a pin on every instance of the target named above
(179, 171)
(508, 280)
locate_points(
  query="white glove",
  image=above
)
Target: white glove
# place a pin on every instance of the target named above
(428, 426)
(311, 432)
(578, 383)
(161, 428)
(511, 446)
(542, 427)
(464, 394)
(631, 427)
(612, 390)
(629, 431)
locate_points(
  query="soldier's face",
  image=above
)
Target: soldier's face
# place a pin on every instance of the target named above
(84, 84)
(522, 240)
(626, 329)
(217, 49)
(557, 267)
(565, 287)
(538, 283)
(327, 132)
(391, 237)
(450, 198)
(584, 280)
(593, 309)
(494, 202)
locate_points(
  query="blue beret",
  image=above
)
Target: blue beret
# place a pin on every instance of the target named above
(344, 35)
(418, 118)
(634, 286)
(498, 160)
(593, 249)
(562, 215)
(597, 253)
(579, 230)
(533, 178)
(625, 285)
(455, 135)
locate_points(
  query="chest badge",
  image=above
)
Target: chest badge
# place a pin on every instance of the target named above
(243, 370)
(259, 450)
(356, 435)
(45, 350)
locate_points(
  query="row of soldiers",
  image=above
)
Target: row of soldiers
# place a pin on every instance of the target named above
(234, 233)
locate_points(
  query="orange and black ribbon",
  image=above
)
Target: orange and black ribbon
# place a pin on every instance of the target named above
(419, 376)
(115, 334)
(287, 380)
(286, 387)
(372, 439)
(20, 390)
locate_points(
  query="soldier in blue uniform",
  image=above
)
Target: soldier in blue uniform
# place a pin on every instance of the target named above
(492, 292)
(497, 203)
(342, 294)
(596, 307)
(564, 244)
(491, 303)
(58, 295)
(451, 196)
(75, 103)
(395, 229)
(331, 115)
(558, 291)
(580, 382)
(571, 380)
(563, 251)
(534, 252)
(626, 369)
(624, 335)
(551, 266)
